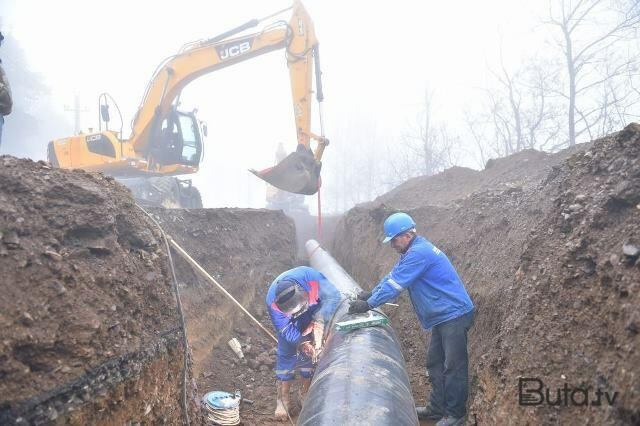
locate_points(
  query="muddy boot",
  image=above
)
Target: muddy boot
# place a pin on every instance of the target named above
(282, 400)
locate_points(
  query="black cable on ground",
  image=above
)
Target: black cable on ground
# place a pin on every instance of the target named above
(182, 322)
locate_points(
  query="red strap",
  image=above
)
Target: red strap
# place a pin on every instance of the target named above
(313, 293)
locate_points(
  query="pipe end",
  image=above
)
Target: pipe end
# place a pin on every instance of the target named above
(311, 246)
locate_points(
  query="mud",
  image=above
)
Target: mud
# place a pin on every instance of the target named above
(546, 245)
(244, 250)
(88, 320)
(89, 325)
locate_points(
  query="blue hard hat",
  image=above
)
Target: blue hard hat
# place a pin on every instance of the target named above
(396, 224)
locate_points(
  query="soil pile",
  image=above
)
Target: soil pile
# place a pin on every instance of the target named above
(89, 331)
(244, 250)
(521, 170)
(548, 249)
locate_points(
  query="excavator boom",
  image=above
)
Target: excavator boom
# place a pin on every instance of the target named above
(300, 171)
(165, 142)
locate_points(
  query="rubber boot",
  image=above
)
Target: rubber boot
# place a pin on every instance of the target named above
(282, 399)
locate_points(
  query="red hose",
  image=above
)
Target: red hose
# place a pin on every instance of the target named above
(319, 231)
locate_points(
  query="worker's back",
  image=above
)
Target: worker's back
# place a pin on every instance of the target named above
(437, 294)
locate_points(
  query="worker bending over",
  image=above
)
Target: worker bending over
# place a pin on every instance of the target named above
(300, 300)
(442, 306)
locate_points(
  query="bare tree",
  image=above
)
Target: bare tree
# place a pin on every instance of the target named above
(519, 110)
(590, 31)
(507, 108)
(476, 128)
(359, 164)
(425, 149)
(542, 115)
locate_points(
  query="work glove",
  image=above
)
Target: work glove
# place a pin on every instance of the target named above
(364, 295)
(358, 307)
(318, 334)
(307, 349)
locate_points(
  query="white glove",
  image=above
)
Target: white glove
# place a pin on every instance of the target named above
(318, 337)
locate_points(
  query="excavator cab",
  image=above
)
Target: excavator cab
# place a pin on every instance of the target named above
(165, 142)
(179, 140)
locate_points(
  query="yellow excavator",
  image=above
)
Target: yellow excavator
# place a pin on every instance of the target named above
(166, 142)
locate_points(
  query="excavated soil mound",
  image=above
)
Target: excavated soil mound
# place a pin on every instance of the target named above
(548, 249)
(244, 250)
(89, 330)
(521, 170)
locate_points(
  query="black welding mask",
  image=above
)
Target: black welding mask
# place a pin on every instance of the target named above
(292, 299)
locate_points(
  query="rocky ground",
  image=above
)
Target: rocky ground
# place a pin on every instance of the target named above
(244, 250)
(547, 244)
(88, 324)
(548, 247)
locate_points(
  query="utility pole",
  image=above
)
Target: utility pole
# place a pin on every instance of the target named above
(76, 109)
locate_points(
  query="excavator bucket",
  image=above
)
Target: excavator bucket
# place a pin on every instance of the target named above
(298, 172)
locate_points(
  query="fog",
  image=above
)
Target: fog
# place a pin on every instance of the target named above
(378, 61)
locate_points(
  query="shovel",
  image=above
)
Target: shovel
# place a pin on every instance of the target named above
(298, 172)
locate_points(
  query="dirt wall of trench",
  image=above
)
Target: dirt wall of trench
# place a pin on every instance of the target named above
(89, 331)
(547, 247)
(244, 250)
(89, 327)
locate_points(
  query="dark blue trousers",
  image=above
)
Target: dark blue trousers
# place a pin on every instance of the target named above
(448, 366)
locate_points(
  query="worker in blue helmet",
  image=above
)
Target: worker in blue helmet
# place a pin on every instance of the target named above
(300, 301)
(442, 306)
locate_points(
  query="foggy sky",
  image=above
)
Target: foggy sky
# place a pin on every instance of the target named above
(377, 59)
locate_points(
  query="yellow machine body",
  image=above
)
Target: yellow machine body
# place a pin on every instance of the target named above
(159, 146)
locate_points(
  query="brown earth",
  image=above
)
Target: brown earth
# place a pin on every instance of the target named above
(547, 246)
(88, 319)
(244, 250)
(89, 327)
(90, 334)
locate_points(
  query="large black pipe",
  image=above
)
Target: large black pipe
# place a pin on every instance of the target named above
(361, 377)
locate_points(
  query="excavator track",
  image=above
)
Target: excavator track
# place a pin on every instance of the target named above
(164, 191)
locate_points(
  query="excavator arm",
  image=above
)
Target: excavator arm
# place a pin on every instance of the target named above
(299, 172)
(166, 142)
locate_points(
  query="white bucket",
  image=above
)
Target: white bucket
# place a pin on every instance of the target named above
(234, 344)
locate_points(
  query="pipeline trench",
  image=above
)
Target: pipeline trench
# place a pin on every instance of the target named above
(90, 332)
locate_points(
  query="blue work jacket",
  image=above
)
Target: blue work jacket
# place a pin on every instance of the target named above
(318, 287)
(436, 291)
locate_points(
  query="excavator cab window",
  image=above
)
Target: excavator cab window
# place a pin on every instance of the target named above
(191, 141)
(180, 140)
(170, 141)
